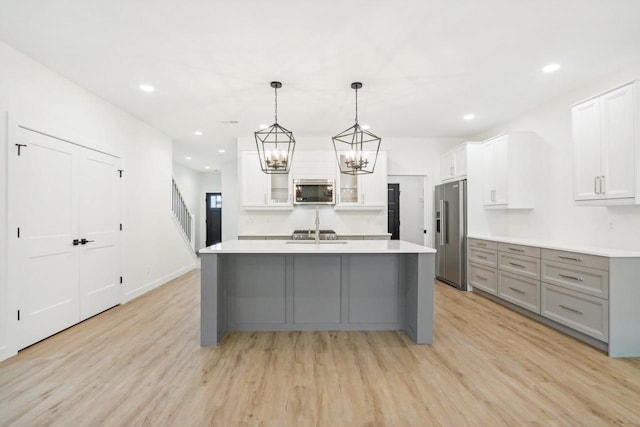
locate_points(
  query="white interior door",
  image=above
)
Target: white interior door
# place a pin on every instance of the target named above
(46, 262)
(59, 194)
(99, 219)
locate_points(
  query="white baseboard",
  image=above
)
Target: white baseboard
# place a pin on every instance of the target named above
(135, 293)
(5, 353)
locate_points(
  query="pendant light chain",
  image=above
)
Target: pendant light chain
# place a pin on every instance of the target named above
(356, 106)
(276, 103)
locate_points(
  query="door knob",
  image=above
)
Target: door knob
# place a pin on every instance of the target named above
(85, 241)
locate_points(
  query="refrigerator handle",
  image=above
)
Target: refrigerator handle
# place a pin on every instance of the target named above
(443, 223)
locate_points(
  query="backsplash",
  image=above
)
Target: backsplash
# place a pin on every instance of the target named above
(303, 217)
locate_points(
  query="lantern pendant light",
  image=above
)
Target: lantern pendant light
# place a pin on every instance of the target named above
(356, 148)
(275, 144)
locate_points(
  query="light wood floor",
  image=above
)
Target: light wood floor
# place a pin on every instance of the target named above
(142, 364)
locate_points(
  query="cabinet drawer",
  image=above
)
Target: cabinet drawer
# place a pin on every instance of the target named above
(519, 290)
(576, 258)
(483, 278)
(484, 257)
(483, 244)
(584, 313)
(582, 279)
(519, 249)
(519, 264)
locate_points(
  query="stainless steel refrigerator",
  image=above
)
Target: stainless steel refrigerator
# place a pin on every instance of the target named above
(451, 233)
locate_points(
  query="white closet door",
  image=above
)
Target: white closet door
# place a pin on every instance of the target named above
(99, 219)
(46, 265)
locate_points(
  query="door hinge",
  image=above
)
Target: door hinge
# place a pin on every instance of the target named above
(18, 314)
(120, 226)
(19, 147)
(120, 172)
(120, 279)
(18, 232)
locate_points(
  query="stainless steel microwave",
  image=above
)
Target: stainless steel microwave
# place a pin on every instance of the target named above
(314, 192)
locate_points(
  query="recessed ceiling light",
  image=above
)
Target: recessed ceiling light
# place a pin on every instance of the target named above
(550, 68)
(188, 158)
(230, 122)
(207, 167)
(146, 88)
(263, 126)
(221, 150)
(198, 133)
(469, 116)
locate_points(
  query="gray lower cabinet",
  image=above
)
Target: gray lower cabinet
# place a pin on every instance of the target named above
(483, 277)
(582, 312)
(519, 290)
(593, 298)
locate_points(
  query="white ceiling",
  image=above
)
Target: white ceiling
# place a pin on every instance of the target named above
(424, 63)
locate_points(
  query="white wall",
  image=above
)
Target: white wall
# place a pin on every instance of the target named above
(152, 248)
(556, 216)
(405, 156)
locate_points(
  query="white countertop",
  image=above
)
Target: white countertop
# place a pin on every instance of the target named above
(332, 246)
(589, 250)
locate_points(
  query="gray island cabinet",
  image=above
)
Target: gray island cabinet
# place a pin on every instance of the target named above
(362, 285)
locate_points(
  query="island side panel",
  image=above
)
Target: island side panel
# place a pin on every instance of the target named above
(209, 300)
(420, 275)
(257, 292)
(374, 290)
(316, 289)
(624, 315)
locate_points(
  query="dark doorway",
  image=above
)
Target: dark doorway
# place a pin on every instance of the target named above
(393, 210)
(214, 218)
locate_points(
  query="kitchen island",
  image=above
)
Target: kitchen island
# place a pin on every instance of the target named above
(306, 285)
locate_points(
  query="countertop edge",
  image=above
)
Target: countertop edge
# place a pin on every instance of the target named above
(589, 250)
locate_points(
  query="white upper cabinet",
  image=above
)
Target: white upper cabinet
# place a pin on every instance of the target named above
(508, 170)
(368, 191)
(260, 190)
(606, 148)
(453, 163)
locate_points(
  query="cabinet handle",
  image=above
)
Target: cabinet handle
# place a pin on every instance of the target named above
(481, 257)
(481, 277)
(595, 185)
(602, 186)
(574, 310)
(516, 250)
(517, 290)
(570, 258)
(451, 170)
(577, 279)
(480, 244)
(517, 265)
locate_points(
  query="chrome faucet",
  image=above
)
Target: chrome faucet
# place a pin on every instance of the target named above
(317, 224)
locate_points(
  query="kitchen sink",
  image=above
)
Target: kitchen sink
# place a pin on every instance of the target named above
(313, 242)
(311, 235)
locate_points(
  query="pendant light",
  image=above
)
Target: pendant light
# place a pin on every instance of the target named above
(275, 144)
(356, 148)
